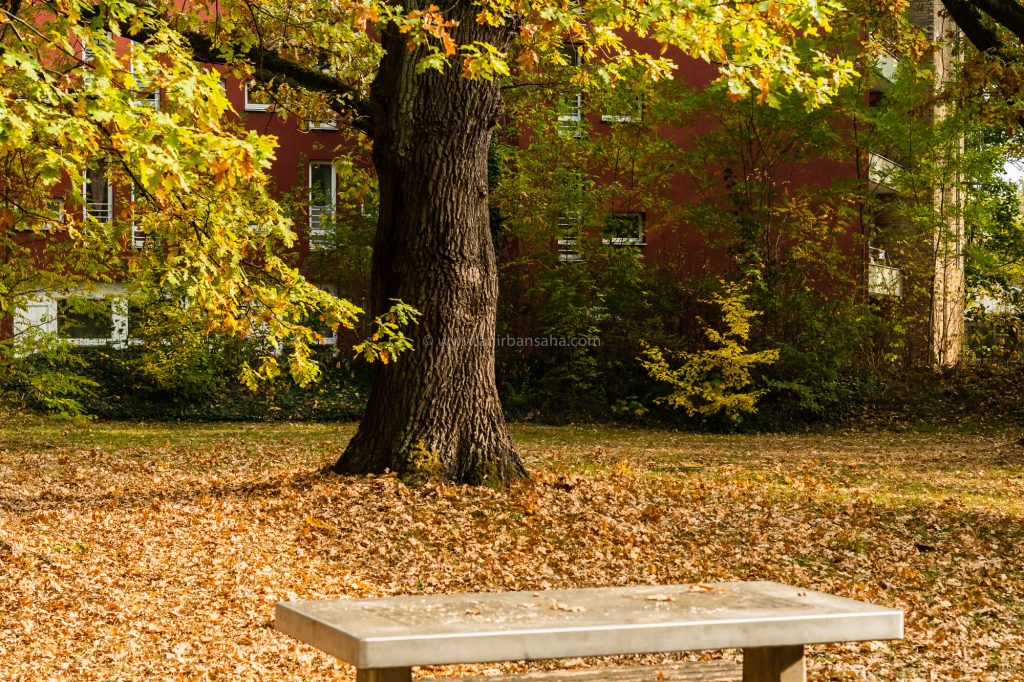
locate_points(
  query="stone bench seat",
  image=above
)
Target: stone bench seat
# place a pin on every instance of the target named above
(770, 622)
(713, 671)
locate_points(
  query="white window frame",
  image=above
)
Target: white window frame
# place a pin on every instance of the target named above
(89, 56)
(42, 316)
(881, 171)
(640, 240)
(138, 234)
(569, 226)
(87, 53)
(56, 207)
(35, 316)
(570, 124)
(254, 106)
(626, 118)
(149, 99)
(317, 211)
(321, 126)
(108, 215)
(50, 217)
(331, 340)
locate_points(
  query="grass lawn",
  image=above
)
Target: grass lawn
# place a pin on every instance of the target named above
(155, 551)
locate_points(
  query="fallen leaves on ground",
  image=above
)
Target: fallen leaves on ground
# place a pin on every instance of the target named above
(137, 552)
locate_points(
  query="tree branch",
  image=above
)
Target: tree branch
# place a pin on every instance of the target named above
(1007, 13)
(968, 19)
(268, 65)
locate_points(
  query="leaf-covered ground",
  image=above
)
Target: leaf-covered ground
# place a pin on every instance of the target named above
(138, 551)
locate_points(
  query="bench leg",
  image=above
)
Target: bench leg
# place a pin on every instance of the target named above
(774, 664)
(384, 675)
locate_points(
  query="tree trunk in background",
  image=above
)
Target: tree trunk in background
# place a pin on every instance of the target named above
(435, 413)
(947, 320)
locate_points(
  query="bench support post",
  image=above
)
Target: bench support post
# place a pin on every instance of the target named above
(774, 664)
(384, 675)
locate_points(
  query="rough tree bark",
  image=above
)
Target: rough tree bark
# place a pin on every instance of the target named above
(435, 413)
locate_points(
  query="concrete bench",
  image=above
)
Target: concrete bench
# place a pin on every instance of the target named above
(385, 638)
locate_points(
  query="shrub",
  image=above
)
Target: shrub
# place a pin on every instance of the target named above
(717, 379)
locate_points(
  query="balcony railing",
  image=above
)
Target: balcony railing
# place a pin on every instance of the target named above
(881, 173)
(568, 250)
(102, 211)
(570, 120)
(138, 237)
(568, 226)
(319, 217)
(149, 99)
(883, 279)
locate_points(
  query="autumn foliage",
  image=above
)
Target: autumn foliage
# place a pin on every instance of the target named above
(143, 552)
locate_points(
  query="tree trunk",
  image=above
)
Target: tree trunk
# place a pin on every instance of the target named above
(435, 413)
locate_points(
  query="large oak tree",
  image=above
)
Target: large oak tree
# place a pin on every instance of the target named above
(424, 84)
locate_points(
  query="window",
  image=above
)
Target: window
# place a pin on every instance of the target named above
(54, 218)
(74, 322)
(569, 227)
(148, 93)
(624, 228)
(97, 194)
(84, 319)
(138, 234)
(46, 218)
(138, 237)
(329, 125)
(256, 98)
(323, 65)
(55, 215)
(570, 108)
(328, 335)
(313, 320)
(623, 107)
(570, 115)
(569, 224)
(323, 191)
(92, 322)
(887, 65)
(35, 316)
(89, 55)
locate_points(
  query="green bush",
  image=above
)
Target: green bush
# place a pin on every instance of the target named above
(214, 393)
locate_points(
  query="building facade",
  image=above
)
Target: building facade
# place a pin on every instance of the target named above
(305, 169)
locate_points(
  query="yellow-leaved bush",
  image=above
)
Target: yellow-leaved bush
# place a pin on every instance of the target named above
(718, 379)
